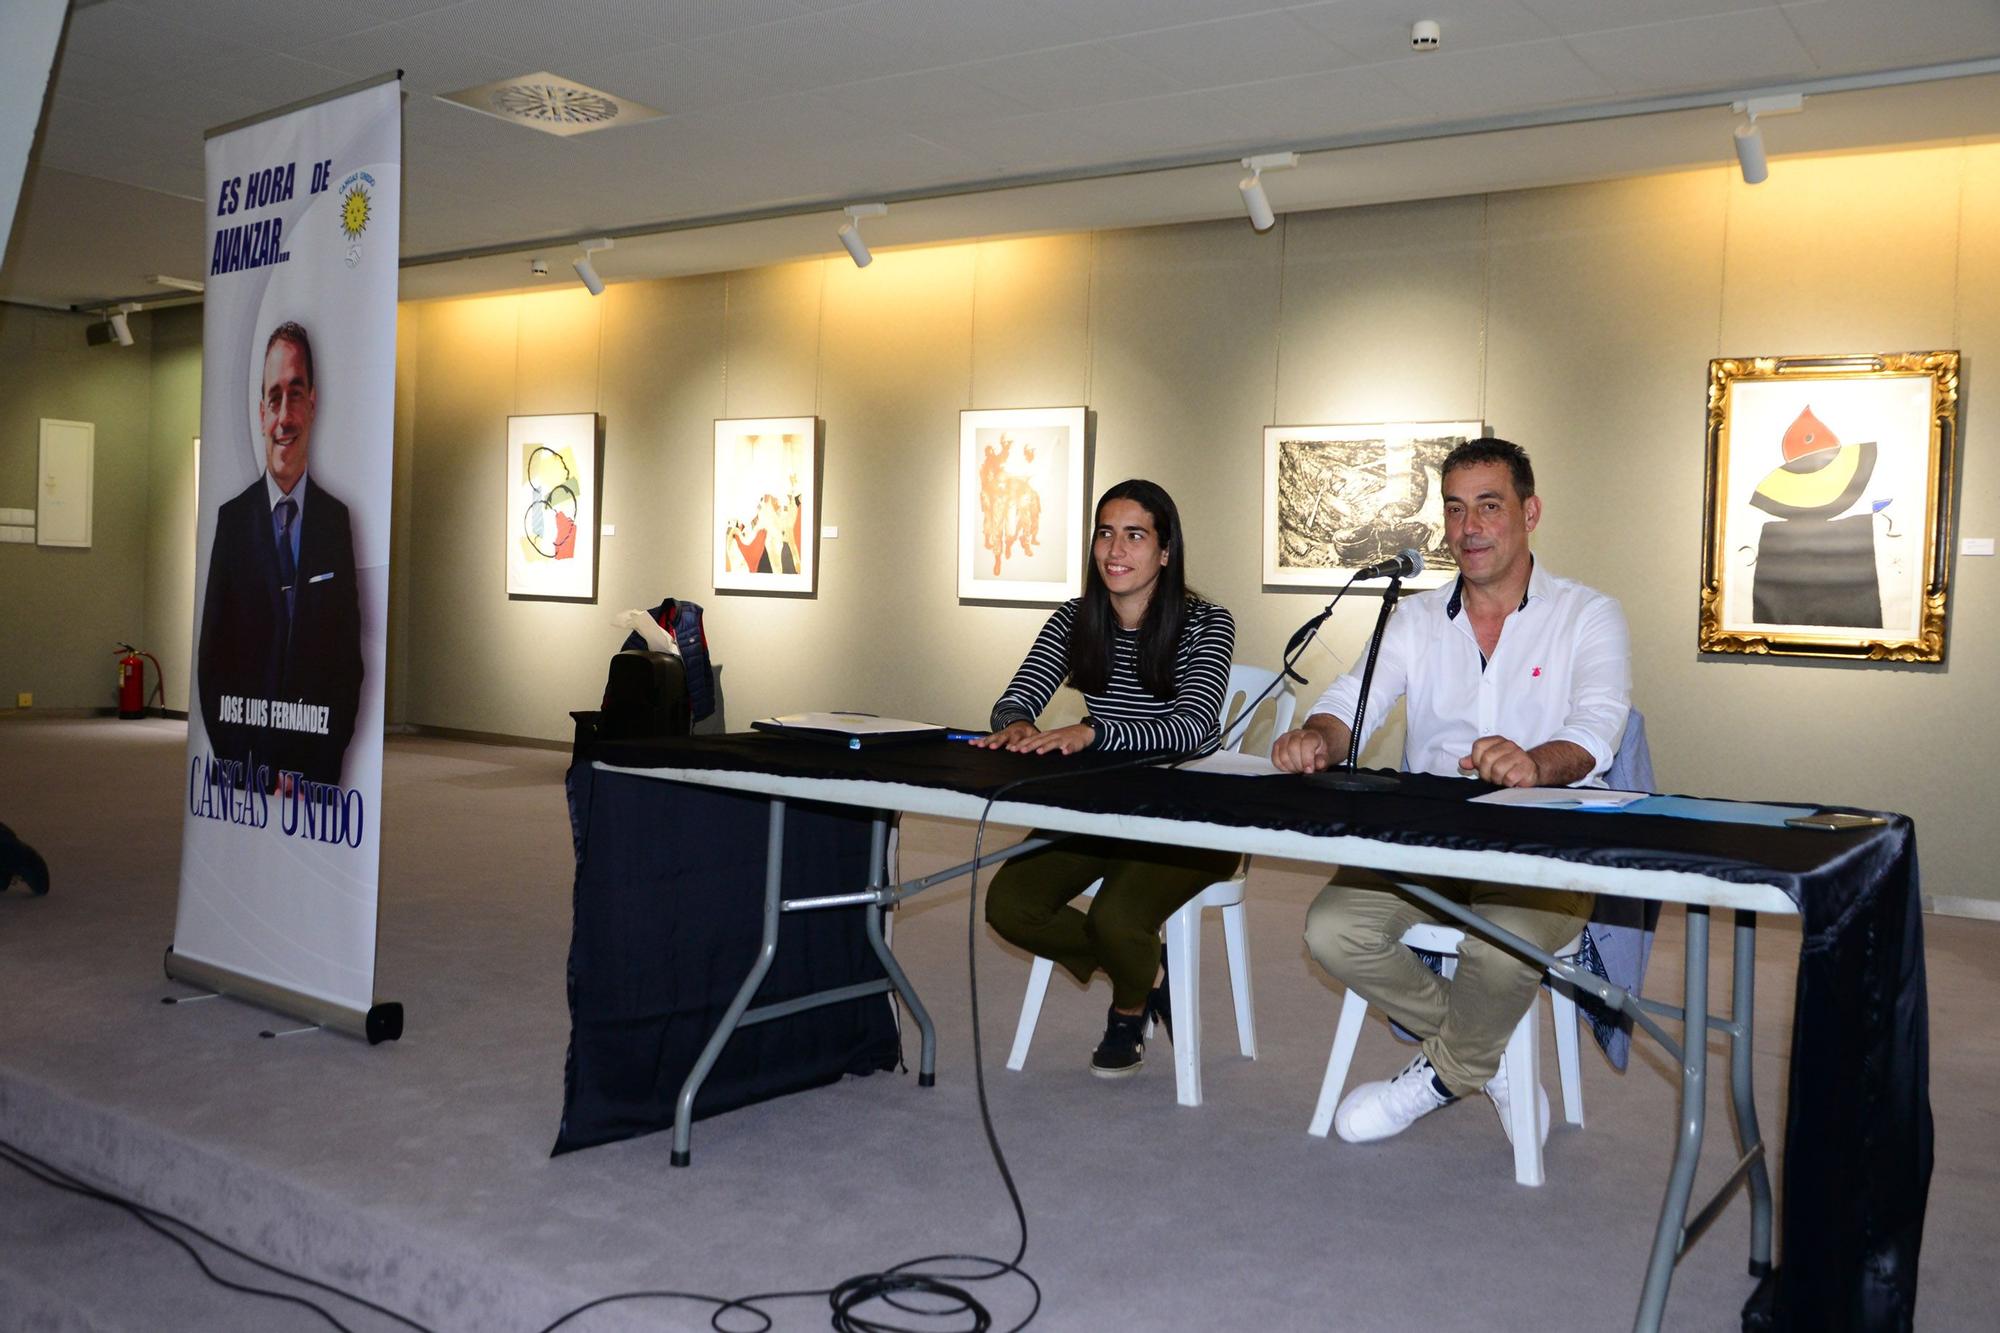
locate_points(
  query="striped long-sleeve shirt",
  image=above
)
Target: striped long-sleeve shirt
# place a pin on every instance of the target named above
(1126, 715)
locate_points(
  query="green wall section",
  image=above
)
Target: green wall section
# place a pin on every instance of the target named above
(1578, 321)
(175, 406)
(64, 610)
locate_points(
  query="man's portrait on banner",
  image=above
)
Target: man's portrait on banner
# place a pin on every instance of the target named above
(279, 655)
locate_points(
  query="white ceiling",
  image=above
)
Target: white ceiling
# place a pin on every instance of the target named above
(776, 106)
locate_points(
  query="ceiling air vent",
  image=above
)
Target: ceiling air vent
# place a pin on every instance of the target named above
(551, 104)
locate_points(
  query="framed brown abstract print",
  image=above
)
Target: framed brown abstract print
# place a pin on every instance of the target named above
(1022, 507)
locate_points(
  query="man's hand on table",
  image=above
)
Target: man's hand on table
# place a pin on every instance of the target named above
(1312, 747)
(1501, 762)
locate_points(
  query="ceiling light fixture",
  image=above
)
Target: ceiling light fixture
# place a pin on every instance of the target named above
(1750, 158)
(1255, 201)
(585, 270)
(850, 232)
(115, 327)
(178, 284)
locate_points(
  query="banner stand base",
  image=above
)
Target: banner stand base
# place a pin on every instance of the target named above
(378, 1023)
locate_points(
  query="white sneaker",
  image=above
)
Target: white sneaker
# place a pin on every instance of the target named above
(1496, 1089)
(1386, 1108)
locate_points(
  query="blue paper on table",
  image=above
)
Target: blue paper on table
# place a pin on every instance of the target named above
(1716, 812)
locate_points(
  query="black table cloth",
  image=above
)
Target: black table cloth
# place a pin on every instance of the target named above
(668, 911)
(1858, 1141)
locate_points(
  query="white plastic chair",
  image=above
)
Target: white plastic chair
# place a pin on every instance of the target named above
(1183, 928)
(1522, 1060)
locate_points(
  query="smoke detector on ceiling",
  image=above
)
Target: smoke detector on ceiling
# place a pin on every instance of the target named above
(552, 104)
(1425, 35)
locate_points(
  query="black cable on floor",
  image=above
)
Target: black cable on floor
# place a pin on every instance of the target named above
(893, 1286)
(893, 1282)
(55, 1177)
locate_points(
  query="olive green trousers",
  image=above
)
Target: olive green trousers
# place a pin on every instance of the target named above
(1119, 933)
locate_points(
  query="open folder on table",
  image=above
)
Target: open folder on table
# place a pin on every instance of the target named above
(854, 730)
(1563, 798)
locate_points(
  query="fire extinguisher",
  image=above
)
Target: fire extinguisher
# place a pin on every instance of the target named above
(132, 681)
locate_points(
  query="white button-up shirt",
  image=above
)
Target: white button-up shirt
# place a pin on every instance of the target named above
(1562, 671)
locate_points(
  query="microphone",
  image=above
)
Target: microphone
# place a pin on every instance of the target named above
(1406, 563)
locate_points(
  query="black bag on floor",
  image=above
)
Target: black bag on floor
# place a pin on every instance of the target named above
(20, 861)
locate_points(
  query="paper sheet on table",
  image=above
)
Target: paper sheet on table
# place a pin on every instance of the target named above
(1563, 798)
(844, 724)
(1233, 764)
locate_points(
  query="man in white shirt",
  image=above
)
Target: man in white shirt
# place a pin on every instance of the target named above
(1511, 675)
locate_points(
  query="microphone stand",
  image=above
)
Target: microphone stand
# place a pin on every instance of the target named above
(1349, 777)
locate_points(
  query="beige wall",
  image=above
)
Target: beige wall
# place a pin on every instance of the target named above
(1578, 321)
(64, 610)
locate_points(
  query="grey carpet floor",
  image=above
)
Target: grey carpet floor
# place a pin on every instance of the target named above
(419, 1171)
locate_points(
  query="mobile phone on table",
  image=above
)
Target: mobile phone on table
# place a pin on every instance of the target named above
(1834, 820)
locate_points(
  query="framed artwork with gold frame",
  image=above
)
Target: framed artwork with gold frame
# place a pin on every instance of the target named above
(1826, 529)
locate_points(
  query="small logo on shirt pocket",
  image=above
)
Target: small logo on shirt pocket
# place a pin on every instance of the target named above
(1536, 672)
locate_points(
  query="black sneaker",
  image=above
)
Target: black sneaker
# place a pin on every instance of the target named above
(1123, 1049)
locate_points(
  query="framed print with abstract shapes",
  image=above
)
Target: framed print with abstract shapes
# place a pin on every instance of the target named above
(551, 505)
(1826, 529)
(1022, 504)
(764, 533)
(1337, 498)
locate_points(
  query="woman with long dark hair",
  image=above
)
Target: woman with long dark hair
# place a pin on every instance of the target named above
(1152, 662)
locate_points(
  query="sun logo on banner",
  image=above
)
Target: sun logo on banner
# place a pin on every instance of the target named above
(357, 206)
(354, 212)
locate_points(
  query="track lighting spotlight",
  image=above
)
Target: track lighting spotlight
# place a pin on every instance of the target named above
(585, 270)
(115, 327)
(1749, 136)
(850, 232)
(1750, 159)
(857, 249)
(1255, 201)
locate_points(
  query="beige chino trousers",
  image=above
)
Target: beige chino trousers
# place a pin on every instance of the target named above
(1355, 929)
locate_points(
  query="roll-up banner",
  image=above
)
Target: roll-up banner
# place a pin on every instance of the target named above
(280, 848)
